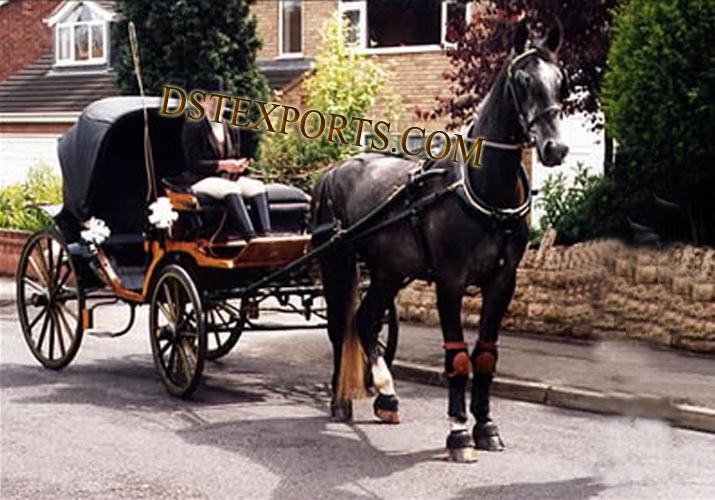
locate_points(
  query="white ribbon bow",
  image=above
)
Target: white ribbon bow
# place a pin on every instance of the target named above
(162, 214)
(97, 231)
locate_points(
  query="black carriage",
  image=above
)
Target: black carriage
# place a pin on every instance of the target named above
(203, 290)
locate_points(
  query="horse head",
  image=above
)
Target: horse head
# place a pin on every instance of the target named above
(538, 85)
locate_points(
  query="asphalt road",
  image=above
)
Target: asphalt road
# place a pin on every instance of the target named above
(259, 428)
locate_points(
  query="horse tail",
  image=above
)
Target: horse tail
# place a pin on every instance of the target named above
(340, 281)
(351, 382)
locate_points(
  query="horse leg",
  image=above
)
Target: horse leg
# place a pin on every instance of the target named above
(456, 365)
(339, 275)
(495, 301)
(380, 294)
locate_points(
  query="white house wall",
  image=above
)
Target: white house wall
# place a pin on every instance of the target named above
(585, 147)
(19, 152)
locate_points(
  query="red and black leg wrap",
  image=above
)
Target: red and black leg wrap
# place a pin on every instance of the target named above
(456, 359)
(484, 361)
(484, 357)
(457, 367)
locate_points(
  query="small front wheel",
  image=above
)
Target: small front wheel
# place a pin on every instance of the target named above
(177, 331)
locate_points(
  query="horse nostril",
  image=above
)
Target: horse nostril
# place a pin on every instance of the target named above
(555, 150)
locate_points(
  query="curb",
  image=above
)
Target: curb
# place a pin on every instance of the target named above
(686, 416)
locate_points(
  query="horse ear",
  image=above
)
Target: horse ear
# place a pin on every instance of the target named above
(553, 39)
(520, 37)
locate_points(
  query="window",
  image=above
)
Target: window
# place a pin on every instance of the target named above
(290, 27)
(81, 38)
(372, 24)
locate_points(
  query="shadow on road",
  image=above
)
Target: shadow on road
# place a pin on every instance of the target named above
(581, 488)
(295, 450)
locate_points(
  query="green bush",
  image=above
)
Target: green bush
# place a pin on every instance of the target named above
(586, 209)
(343, 82)
(41, 187)
(659, 97)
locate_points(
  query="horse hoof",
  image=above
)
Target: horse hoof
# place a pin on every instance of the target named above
(460, 447)
(487, 438)
(342, 410)
(386, 409)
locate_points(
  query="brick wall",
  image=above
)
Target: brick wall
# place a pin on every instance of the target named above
(25, 36)
(601, 290)
(416, 76)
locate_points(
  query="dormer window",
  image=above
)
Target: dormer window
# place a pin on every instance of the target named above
(81, 34)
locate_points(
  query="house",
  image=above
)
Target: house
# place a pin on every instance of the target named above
(55, 58)
(409, 39)
(411, 49)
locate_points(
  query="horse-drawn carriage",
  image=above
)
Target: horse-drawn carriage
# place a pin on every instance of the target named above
(203, 290)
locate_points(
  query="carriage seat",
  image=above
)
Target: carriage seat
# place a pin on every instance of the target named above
(288, 205)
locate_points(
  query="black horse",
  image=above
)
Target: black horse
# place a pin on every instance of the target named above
(476, 236)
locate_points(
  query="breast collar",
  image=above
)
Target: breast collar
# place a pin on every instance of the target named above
(476, 204)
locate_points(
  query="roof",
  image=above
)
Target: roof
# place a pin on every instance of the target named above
(281, 72)
(40, 88)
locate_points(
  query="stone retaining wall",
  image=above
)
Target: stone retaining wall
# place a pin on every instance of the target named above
(601, 289)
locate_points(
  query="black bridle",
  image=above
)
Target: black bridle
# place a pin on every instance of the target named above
(525, 122)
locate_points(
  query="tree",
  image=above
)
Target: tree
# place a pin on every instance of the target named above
(483, 43)
(659, 96)
(190, 44)
(343, 82)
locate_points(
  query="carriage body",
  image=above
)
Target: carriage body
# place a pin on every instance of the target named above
(203, 290)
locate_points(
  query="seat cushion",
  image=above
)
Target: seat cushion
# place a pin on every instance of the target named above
(282, 193)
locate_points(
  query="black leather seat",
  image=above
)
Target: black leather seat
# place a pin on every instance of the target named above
(288, 205)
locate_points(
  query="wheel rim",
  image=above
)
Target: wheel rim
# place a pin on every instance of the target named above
(177, 334)
(224, 327)
(49, 300)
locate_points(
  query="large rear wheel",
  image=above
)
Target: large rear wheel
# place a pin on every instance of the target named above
(49, 300)
(177, 331)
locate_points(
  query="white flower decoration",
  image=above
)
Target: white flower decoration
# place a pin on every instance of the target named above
(162, 213)
(97, 231)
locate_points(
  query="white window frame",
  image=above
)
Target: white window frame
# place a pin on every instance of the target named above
(290, 55)
(91, 61)
(361, 7)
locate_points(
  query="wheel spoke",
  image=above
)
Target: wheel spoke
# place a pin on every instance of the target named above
(60, 339)
(70, 330)
(63, 280)
(60, 261)
(165, 312)
(51, 352)
(40, 274)
(69, 311)
(172, 355)
(37, 318)
(171, 316)
(50, 261)
(186, 364)
(32, 284)
(41, 340)
(162, 350)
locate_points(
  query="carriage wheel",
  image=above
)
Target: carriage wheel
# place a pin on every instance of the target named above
(49, 300)
(224, 327)
(388, 337)
(176, 327)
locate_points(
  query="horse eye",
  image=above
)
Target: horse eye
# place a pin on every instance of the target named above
(522, 78)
